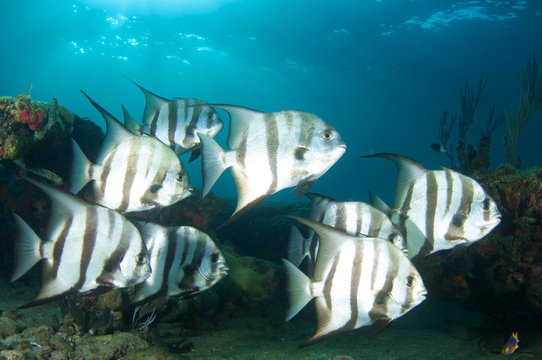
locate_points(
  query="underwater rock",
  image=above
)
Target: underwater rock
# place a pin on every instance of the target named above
(202, 214)
(113, 346)
(8, 327)
(501, 273)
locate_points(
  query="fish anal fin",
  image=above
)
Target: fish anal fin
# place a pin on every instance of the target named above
(326, 327)
(379, 326)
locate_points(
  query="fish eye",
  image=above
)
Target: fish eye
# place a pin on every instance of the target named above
(140, 259)
(179, 176)
(209, 116)
(154, 188)
(409, 281)
(214, 258)
(485, 204)
(327, 134)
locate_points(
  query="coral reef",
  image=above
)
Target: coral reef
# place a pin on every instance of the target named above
(499, 274)
(24, 124)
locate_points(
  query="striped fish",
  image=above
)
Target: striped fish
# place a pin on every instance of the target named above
(353, 217)
(270, 152)
(86, 247)
(437, 209)
(132, 173)
(184, 261)
(357, 282)
(177, 122)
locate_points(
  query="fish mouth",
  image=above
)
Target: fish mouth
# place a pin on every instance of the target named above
(422, 293)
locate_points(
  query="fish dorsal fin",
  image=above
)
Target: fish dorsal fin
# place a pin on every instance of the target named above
(408, 171)
(64, 204)
(150, 232)
(130, 123)
(331, 241)
(240, 120)
(153, 103)
(116, 133)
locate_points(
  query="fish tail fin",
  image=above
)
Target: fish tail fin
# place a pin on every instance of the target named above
(299, 289)
(80, 169)
(379, 203)
(27, 249)
(297, 249)
(212, 162)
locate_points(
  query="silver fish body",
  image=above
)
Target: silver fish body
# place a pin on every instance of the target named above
(132, 173)
(185, 261)
(437, 209)
(177, 122)
(356, 218)
(270, 152)
(357, 282)
(86, 247)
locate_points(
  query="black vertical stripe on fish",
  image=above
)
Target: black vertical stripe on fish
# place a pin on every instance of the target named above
(380, 306)
(354, 284)
(112, 263)
(170, 256)
(154, 123)
(359, 222)
(129, 176)
(89, 241)
(405, 209)
(241, 153)
(188, 279)
(376, 261)
(289, 116)
(456, 230)
(375, 225)
(449, 189)
(431, 206)
(340, 219)
(106, 170)
(272, 149)
(58, 248)
(328, 283)
(307, 124)
(192, 125)
(173, 108)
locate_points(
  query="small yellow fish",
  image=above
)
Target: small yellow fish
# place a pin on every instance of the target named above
(511, 345)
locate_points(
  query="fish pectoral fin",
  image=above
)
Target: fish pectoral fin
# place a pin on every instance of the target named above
(304, 186)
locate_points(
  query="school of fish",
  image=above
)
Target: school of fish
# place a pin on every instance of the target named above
(359, 259)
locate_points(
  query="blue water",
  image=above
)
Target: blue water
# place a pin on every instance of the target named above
(381, 72)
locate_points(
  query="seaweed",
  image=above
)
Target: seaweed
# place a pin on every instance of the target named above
(530, 101)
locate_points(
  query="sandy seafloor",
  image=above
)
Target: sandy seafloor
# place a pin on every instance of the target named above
(254, 334)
